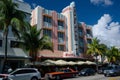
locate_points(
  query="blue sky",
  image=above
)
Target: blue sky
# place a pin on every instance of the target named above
(87, 10)
(102, 15)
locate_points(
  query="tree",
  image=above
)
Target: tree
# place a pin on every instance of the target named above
(10, 17)
(103, 49)
(32, 42)
(93, 49)
(113, 54)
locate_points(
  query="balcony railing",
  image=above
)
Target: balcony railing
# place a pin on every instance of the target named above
(88, 27)
(60, 28)
(48, 12)
(60, 40)
(60, 16)
(46, 24)
(89, 36)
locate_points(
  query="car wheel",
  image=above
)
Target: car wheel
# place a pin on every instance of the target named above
(73, 75)
(57, 77)
(106, 75)
(87, 74)
(46, 77)
(34, 78)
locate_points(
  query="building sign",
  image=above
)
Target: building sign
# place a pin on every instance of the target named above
(68, 54)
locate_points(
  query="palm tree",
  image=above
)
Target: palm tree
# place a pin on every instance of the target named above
(93, 49)
(10, 17)
(113, 54)
(103, 49)
(32, 42)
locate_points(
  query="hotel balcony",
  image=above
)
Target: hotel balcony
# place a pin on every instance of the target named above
(60, 41)
(81, 44)
(47, 25)
(61, 28)
(89, 36)
(47, 12)
(60, 16)
(81, 34)
(88, 27)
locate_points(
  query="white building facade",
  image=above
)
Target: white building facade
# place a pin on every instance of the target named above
(16, 57)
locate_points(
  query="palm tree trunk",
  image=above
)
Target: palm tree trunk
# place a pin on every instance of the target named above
(32, 54)
(5, 56)
(35, 57)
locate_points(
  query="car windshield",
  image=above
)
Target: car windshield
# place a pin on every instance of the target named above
(65, 70)
(84, 69)
(111, 67)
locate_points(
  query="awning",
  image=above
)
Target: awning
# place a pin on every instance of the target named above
(16, 53)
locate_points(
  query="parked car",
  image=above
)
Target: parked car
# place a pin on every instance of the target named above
(101, 70)
(22, 74)
(60, 74)
(113, 70)
(87, 72)
(1, 78)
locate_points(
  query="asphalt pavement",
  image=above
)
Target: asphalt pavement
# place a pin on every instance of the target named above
(95, 77)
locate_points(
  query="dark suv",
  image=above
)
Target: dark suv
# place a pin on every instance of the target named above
(113, 70)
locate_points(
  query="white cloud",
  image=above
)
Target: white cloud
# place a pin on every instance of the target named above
(104, 2)
(107, 31)
(21, 0)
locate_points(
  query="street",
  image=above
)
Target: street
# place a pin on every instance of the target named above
(95, 77)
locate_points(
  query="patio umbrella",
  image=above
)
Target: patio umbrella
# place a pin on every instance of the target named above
(48, 62)
(81, 62)
(60, 62)
(71, 63)
(90, 62)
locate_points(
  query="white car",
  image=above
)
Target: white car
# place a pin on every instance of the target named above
(22, 74)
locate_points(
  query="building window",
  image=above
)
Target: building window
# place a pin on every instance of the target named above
(81, 50)
(60, 37)
(81, 40)
(14, 44)
(80, 30)
(47, 32)
(47, 19)
(89, 32)
(61, 47)
(81, 44)
(0, 43)
(60, 25)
